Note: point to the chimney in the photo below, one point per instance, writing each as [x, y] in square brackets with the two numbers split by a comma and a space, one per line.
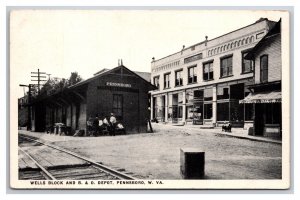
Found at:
[153, 59]
[182, 49]
[121, 62]
[206, 37]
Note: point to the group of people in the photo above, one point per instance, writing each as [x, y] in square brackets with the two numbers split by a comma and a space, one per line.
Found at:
[102, 126]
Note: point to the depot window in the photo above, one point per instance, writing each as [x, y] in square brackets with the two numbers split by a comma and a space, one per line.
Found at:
[118, 105]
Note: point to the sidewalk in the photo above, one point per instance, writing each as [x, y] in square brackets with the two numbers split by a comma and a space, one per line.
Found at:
[235, 132]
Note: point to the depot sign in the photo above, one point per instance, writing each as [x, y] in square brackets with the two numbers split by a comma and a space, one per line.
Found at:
[118, 84]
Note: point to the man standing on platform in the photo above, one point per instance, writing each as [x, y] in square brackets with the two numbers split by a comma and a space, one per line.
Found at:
[113, 122]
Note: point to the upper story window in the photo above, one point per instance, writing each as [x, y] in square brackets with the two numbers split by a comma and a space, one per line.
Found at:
[247, 65]
[156, 81]
[208, 71]
[167, 80]
[264, 68]
[226, 66]
[178, 78]
[192, 75]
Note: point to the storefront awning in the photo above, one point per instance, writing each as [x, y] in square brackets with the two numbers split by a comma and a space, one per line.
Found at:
[263, 97]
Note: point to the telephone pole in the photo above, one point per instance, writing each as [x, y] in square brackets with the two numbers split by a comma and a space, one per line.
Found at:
[39, 77]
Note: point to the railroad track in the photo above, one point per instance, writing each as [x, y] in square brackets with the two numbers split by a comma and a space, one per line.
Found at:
[91, 170]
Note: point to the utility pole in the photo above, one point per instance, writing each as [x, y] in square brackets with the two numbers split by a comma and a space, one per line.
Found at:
[29, 101]
[48, 76]
[39, 78]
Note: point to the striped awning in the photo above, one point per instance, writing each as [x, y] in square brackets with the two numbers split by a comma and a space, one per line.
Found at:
[263, 97]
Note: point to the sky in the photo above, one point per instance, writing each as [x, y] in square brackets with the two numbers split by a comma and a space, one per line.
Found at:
[59, 42]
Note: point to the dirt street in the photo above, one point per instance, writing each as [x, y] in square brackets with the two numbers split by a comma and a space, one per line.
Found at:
[157, 155]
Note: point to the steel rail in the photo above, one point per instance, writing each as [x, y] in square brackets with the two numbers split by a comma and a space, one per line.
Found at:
[38, 165]
[100, 166]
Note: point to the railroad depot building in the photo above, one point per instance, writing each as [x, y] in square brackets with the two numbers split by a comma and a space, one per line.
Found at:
[203, 83]
[119, 91]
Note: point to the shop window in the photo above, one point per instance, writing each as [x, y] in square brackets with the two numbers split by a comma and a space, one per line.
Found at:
[264, 68]
[170, 113]
[118, 105]
[207, 111]
[178, 78]
[167, 80]
[189, 113]
[226, 66]
[198, 113]
[156, 81]
[180, 112]
[194, 113]
[223, 111]
[208, 71]
[236, 111]
[177, 112]
[273, 111]
[249, 107]
[247, 65]
[177, 106]
[192, 75]
[159, 108]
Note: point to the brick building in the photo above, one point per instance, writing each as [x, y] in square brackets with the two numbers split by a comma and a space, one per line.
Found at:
[118, 90]
[266, 92]
[203, 83]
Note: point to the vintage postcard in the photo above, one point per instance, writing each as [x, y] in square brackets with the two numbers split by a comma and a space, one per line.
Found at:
[149, 99]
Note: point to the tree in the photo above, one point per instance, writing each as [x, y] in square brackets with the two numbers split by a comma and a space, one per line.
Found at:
[74, 78]
[55, 84]
[63, 83]
[34, 90]
[48, 87]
